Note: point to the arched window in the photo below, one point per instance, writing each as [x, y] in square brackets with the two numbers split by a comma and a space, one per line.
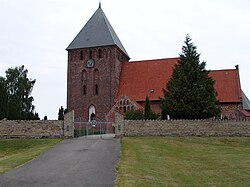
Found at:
[84, 75]
[84, 90]
[96, 90]
[109, 53]
[81, 55]
[90, 54]
[99, 53]
[96, 74]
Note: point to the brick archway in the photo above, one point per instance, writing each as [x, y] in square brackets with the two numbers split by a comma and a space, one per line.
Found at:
[92, 112]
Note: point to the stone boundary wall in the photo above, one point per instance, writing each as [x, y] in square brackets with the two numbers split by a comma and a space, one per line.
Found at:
[181, 128]
[68, 123]
[38, 128]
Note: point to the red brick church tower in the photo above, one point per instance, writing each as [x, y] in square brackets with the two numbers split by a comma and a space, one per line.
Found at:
[95, 59]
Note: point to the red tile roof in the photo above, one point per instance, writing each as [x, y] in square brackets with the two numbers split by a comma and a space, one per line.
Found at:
[141, 78]
[227, 85]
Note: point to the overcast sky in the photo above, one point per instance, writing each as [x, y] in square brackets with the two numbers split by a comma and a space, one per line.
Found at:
[35, 33]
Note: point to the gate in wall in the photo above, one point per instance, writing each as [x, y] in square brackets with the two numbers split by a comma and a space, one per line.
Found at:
[86, 128]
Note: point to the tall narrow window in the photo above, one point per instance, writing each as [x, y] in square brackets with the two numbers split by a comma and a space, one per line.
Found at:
[96, 90]
[90, 54]
[84, 75]
[81, 55]
[124, 109]
[96, 74]
[84, 90]
[109, 53]
[99, 53]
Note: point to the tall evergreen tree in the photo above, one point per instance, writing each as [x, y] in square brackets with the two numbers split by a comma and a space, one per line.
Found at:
[190, 93]
[61, 113]
[147, 109]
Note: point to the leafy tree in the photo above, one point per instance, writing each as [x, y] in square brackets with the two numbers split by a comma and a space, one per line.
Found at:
[3, 98]
[147, 109]
[134, 115]
[18, 90]
[45, 118]
[190, 93]
[61, 113]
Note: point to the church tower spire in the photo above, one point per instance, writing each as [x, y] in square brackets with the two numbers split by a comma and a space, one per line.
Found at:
[97, 32]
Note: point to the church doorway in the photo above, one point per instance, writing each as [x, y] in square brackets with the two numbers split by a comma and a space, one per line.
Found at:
[92, 125]
[92, 114]
[92, 117]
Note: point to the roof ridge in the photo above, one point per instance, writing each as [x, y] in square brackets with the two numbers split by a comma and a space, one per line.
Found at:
[108, 25]
[224, 70]
[113, 34]
[161, 59]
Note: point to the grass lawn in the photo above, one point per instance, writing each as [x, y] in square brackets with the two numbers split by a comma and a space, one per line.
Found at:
[188, 161]
[15, 152]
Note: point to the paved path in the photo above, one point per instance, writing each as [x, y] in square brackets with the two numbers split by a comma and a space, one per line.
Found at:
[75, 162]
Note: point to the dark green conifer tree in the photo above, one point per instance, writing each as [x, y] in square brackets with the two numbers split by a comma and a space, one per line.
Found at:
[147, 109]
[61, 114]
[190, 93]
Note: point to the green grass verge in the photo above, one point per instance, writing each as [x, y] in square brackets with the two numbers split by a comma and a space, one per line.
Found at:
[189, 161]
[15, 152]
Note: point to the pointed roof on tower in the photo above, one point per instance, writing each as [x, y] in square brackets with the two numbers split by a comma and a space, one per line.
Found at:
[97, 32]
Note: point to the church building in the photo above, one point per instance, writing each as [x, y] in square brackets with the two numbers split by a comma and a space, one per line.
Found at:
[101, 79]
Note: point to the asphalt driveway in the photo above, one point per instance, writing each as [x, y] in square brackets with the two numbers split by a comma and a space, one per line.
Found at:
[74, 162]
